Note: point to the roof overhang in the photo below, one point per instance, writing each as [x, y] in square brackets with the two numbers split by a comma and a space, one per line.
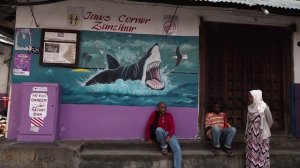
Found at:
[285, 4]
[281, 7]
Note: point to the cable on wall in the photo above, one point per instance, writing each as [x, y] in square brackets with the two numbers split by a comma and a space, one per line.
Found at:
[172, 19]
[32, 14]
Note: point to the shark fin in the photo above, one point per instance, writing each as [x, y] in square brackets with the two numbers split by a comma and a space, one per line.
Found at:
[112, 62]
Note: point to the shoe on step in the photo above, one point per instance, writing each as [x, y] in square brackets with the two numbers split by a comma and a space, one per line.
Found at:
[164, 151]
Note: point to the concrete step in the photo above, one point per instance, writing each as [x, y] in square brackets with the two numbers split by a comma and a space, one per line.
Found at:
[139, 154]
[191, 159]
[285, 153]
[191, 144]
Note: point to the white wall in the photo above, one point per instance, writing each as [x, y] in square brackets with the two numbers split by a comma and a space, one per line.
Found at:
[297, 57]
[5, 53]
[54, 16]
[46, 18]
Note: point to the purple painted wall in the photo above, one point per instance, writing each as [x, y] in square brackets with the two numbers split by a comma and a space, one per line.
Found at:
[14, 111]
[91, 122]
[297, 109]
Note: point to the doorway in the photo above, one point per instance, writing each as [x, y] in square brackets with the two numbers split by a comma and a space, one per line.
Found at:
[238, 58]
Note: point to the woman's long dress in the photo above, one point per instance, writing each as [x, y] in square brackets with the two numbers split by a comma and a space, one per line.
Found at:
[257, 149]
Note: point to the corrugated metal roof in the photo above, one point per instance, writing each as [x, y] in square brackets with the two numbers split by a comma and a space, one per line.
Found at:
[287, 4]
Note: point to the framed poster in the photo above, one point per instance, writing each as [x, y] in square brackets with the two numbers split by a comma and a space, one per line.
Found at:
[60, 48]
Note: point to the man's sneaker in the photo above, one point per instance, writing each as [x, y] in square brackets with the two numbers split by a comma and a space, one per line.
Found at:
[164, 151]
[228, 151]
[215, 150]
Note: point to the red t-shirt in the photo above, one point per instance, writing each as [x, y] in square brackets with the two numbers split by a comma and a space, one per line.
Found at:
[166, 122]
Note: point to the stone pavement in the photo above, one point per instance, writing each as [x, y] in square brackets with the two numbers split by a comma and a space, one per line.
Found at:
[285, 153]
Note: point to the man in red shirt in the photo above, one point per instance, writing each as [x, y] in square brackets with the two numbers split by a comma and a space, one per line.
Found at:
[163, 131]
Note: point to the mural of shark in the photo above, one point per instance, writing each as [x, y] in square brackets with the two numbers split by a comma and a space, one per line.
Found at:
[147, 70]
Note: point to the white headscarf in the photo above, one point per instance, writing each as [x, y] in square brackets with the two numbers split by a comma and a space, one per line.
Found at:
[258, 104]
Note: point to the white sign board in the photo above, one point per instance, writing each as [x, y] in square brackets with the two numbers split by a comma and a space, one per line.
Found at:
[38, 105]
[40, 89]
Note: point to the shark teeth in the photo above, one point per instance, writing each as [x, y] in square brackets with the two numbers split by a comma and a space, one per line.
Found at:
[155, 84]
[153, 65]
[153, 76]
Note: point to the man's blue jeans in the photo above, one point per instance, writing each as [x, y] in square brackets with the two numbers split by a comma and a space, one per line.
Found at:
[225, 136]
[161, 135]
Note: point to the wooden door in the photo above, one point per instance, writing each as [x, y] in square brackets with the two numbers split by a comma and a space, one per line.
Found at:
[240, 58]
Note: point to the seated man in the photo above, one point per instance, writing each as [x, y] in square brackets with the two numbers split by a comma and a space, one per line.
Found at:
[219, 130]
[162, 126]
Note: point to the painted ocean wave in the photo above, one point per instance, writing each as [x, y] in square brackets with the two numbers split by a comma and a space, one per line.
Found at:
[134, 93]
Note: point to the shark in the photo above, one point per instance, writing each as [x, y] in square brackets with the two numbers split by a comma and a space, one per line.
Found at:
[146, 70]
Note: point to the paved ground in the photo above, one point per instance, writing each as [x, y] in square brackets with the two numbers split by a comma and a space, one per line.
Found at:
[134, 154]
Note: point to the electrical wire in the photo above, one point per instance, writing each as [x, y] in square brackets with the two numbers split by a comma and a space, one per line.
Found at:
[172, 20]
[16, 3]
[32, 14]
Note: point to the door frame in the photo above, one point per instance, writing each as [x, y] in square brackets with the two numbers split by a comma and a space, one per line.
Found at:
[287, 78]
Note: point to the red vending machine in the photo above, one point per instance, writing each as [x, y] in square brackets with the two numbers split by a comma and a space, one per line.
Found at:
[39, 112]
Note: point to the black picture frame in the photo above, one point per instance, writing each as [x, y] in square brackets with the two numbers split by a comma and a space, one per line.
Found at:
[59, 48]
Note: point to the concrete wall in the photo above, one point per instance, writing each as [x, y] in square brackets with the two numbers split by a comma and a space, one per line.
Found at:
[297, 56]
[86, 121]
[188, 25]
[5, 54]
[104, 122]
[119, 122]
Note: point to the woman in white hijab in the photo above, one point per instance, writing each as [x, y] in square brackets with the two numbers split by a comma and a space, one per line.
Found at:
[257, 133]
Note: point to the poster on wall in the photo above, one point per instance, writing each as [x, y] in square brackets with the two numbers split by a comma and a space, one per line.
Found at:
[37, 110]
[22, 64]
[59, 48]
[23, 39]
[74, 17]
